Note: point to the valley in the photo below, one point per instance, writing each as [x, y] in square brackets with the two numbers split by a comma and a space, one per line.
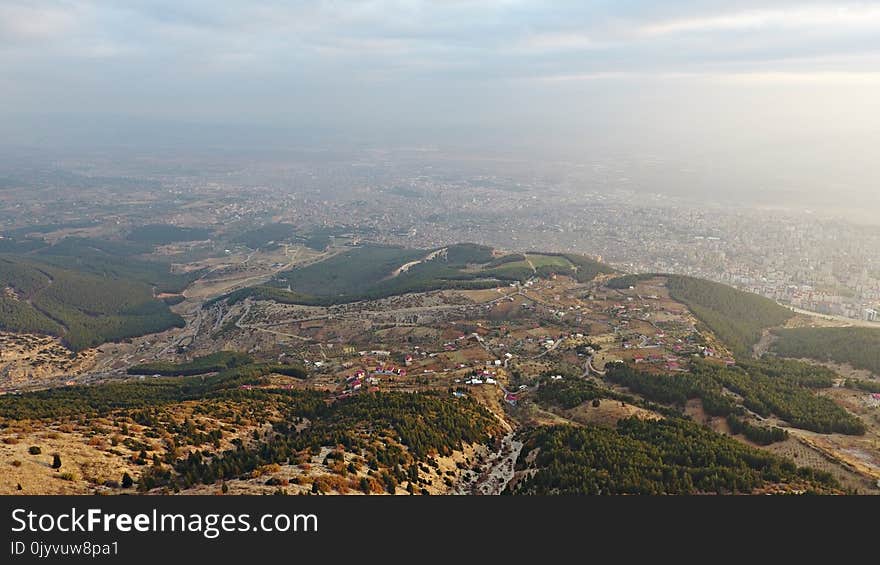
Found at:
[428, 372]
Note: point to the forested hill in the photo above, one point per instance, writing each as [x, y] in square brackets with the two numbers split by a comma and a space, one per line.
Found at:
[376, 441]
[82, 308]
[784, 388]
[738, 318]
[370, 272]
[859, 347]
[671, 456]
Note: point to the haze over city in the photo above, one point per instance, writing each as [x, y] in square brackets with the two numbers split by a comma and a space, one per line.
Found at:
[772, 103]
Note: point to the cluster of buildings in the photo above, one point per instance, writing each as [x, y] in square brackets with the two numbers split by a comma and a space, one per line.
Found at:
[371, 377]
[480, 377]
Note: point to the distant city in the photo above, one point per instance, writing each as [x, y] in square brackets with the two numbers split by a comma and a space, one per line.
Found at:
[803, 259]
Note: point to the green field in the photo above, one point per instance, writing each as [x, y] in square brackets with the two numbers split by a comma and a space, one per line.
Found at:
[515, 270]
[273, 234]
[626, 281]
[375, 271]
[551, 261]
[587, 269]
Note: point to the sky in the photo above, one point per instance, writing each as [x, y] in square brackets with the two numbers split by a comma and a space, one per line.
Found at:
[780, 95]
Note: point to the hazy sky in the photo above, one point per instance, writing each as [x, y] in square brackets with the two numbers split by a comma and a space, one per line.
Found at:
[786, 90]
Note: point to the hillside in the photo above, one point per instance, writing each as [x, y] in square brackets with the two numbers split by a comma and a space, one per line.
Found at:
[859, 347]
[373, 271]
[120, 260]
[738, 318]
[669, 456]
[213, 429]
[237, 426]
[773, 387]
[296, 400]
[211, 363]
[80, 307]
[100, 400]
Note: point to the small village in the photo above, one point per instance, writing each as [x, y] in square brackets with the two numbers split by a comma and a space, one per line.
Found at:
[505, 339]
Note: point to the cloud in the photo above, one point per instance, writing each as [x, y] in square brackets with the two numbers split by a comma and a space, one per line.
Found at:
[501, 36]
[834, 78]
[555, 41]
[172, 56]
[834, 18]
[818, 78]
[27, 22]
